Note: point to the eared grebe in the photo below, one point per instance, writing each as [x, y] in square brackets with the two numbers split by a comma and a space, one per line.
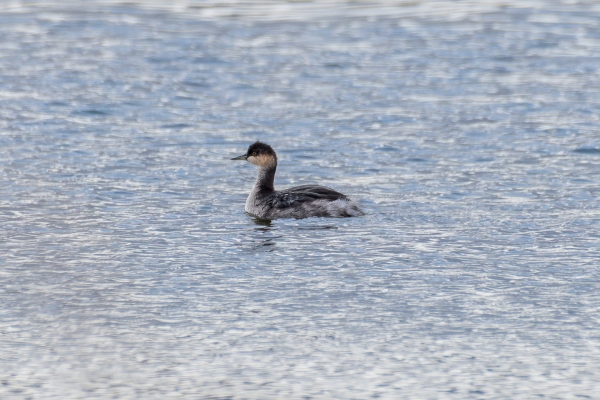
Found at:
[297, 202]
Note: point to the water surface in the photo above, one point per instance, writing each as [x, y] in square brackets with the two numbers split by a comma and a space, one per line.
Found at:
[468, 132]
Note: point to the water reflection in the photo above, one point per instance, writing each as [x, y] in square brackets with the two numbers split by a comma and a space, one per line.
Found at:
[317, 227]
[261, 237]
[262, 222]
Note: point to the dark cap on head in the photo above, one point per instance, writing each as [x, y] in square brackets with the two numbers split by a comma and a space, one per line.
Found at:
[259, 148]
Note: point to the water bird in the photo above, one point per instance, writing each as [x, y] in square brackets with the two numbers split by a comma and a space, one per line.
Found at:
[297, 202]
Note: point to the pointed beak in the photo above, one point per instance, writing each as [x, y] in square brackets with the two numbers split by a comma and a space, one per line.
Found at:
[244, 157]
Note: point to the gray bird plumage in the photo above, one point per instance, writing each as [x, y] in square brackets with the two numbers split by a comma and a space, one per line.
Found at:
[297, 202]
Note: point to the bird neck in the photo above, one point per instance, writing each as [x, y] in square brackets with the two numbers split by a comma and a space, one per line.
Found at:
[266, 177]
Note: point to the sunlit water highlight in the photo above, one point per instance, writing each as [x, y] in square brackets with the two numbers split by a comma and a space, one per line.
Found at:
[469, 132]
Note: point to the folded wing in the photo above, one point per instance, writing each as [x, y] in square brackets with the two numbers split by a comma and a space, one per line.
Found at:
[305, 194]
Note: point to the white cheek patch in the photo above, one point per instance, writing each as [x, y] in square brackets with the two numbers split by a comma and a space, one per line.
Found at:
[253, 160]
[262, 160]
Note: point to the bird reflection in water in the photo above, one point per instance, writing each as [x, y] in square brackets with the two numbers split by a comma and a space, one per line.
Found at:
[263, 234]
[266, 223]
[266, 242]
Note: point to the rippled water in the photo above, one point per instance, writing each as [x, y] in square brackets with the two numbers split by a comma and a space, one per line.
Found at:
[469, 132]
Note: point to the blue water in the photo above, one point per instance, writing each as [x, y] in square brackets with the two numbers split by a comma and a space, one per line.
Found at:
[469, 132]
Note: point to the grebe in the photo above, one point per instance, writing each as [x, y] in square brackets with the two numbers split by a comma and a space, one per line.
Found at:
[297, 202]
